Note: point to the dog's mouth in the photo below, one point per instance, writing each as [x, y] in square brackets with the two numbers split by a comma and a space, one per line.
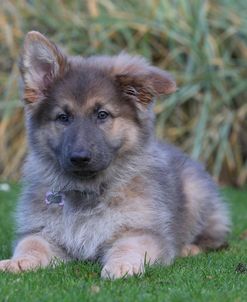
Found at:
[85, 174]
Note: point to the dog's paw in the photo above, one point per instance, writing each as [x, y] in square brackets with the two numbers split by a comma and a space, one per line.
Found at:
[190, 250]
[20, 264]
[115, 270]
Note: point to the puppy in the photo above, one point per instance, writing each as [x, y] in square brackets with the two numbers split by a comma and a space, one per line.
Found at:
[97, 183]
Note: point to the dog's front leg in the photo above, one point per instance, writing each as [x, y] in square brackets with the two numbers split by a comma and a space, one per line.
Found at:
[129, 254]
[30, 253]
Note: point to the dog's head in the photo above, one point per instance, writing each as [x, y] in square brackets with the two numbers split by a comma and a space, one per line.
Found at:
[85, 113]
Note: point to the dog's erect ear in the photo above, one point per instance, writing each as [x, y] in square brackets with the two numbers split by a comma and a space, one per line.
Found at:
[41, 63]
[140, 81]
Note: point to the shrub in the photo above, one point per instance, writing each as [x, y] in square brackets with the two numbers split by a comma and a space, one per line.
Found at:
[202, 43]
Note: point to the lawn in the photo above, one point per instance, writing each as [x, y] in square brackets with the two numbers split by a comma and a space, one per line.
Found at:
[214, 276]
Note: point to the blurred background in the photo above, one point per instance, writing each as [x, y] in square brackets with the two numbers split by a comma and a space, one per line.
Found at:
[202, 43]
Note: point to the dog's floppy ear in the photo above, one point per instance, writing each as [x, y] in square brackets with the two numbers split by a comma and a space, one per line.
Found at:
[140, 81]
[42, 62]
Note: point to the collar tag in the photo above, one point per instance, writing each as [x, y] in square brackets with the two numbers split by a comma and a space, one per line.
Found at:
[54, 198]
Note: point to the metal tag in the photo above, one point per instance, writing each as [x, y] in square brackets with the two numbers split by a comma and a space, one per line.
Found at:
[54, 198]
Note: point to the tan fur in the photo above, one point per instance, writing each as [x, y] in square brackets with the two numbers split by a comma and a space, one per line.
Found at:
[135, 188]
[129, 254]
[116, 201]
[124, 66]
[94, 100]
[142, 94]
[124, 130]
[31, 95]
[217, 221]
[31, 253]
[192, 189]
[190, 250]
[133, 197]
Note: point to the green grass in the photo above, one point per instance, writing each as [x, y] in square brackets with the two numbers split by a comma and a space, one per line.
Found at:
[207, 277]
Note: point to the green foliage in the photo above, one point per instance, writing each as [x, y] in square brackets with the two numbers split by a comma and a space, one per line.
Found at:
[212, 277]
[202, 43]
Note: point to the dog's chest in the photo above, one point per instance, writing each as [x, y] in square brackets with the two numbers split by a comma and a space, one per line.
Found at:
[82, 232]
[79, 231]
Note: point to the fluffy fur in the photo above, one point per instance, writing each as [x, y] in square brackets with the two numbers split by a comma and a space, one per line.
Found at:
[128, 198]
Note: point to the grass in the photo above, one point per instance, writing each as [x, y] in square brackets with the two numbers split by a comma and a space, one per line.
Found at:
[202, 43]
[207, 277]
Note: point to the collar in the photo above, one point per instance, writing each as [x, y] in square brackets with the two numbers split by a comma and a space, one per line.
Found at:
[58, 197]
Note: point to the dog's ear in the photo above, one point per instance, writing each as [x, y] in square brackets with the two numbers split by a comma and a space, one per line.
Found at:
[140, 81]
[42, 62]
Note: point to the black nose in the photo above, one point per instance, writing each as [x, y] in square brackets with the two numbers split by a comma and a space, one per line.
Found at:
[80, 158]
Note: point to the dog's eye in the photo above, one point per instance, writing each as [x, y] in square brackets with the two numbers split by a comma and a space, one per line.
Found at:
[102, 115]
[63, 118]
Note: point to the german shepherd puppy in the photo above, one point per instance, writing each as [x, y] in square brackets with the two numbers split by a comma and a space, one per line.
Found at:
[98, 185]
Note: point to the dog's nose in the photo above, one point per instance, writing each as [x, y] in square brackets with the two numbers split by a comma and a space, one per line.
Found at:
[79, 158]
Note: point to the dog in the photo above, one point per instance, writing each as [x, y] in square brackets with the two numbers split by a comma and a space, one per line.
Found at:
[97, 183]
